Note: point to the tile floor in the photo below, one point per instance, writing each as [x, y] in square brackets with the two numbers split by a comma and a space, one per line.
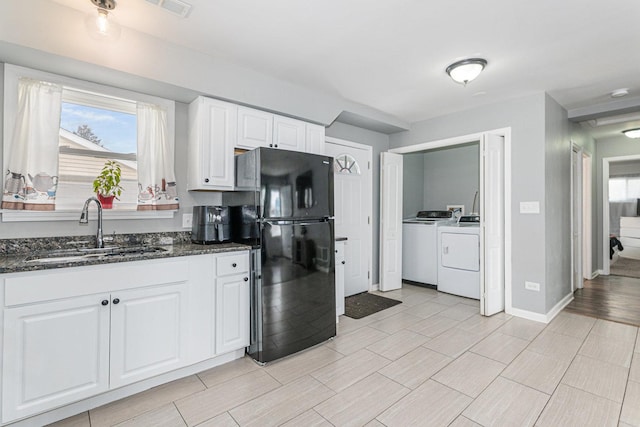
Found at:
[431, 361]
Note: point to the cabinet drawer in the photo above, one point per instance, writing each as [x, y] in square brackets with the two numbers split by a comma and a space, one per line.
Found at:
[45, 285]
[232, 264]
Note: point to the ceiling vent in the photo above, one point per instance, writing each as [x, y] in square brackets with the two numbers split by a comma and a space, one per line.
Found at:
[177, 7]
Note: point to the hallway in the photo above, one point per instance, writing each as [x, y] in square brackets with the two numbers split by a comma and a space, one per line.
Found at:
[615, 298]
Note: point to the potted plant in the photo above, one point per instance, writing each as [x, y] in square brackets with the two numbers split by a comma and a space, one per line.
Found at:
[107, 184]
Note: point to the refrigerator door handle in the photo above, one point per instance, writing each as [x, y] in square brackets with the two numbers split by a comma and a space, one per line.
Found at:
[272, 222]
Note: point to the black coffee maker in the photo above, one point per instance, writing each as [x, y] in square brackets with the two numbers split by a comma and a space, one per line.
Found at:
[210, 224]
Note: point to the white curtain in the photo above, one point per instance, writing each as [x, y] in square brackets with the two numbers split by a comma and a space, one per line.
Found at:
[156, 176]
[31, 152]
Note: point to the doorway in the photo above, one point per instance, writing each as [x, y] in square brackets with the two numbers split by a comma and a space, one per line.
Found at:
[620, 178]
[353, 209]
[495, 219]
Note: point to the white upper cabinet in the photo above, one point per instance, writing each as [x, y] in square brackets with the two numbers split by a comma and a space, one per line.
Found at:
[314, 138]
[212, 136]
[288, 134]
[217, 128]
[255, 128]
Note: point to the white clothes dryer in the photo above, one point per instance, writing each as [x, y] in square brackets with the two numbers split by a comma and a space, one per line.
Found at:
[459, 260]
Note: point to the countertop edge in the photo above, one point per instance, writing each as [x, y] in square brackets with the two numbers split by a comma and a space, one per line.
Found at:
[18, 263]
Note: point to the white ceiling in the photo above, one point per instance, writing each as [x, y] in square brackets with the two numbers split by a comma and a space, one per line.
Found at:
[391, 54]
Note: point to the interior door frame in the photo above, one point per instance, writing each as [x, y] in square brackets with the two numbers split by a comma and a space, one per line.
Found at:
[369, 204]
[605, 207]
[577, 214]
[587, 217]
[465, 139]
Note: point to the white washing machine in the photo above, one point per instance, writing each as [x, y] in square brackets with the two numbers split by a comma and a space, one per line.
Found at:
[420, 246]
[459, 260]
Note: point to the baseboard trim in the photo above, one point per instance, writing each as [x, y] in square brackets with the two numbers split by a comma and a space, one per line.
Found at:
[529, 315]
[559, 306]
[542, 318]
[598, 273]
[375, 287]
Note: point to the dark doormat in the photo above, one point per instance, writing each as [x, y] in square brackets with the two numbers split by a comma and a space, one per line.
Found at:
[361, 305]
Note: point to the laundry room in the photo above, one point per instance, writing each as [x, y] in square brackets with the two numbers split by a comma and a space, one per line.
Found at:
[440, 186]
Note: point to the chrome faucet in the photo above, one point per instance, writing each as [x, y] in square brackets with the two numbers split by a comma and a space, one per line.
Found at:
[84, 219]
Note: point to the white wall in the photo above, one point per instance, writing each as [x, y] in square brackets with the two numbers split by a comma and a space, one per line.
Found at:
[46, 35]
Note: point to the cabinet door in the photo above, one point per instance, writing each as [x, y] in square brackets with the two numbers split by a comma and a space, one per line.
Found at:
[340, 263]
[288, 134]
[212, 135]
[55, 353]
[314, 141]
[148, 332]
[232, 313]
[255, 128]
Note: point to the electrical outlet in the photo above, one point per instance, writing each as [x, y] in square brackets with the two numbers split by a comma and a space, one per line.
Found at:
[529, 207]
[532, 286]
[186, 220]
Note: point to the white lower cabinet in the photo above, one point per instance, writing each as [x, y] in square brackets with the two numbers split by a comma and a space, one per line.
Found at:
[339, 275]
[148, 332]
[232, 313]
[73, 333]
[54, 353]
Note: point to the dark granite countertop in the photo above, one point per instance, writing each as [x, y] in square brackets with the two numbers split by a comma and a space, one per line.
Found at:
[20, 255]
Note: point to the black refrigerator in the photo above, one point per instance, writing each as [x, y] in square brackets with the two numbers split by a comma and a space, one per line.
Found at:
[293, 303]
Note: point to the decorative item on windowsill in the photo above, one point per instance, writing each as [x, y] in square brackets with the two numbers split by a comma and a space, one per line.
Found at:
[107, 184]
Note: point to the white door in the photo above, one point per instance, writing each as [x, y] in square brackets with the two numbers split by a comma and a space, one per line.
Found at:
[232, 313]
[492, 224]
[352, 210]
[55, 353]
[148, 332]
[576, 218]
[390, 221]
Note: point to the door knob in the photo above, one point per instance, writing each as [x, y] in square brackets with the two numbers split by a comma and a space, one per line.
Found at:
[104, 302]
[116, 300]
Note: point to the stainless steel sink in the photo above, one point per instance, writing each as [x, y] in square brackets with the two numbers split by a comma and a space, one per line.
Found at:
[84, 254]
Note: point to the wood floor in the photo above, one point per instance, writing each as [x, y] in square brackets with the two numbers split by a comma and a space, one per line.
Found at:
[614, 298]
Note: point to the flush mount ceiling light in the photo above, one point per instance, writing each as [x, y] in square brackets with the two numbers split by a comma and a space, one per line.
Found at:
[466, 70]
[619, 93]
[632, 133]
[101, 25]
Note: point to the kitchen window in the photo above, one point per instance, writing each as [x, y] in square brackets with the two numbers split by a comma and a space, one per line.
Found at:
[94, 129]
[96, 123]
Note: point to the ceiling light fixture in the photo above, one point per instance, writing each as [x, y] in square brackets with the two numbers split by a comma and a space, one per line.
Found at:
[632, 133]
[102, 26]
[466, 70]
[619, 93]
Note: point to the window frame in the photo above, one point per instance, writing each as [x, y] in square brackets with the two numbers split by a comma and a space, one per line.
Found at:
[12, 74]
